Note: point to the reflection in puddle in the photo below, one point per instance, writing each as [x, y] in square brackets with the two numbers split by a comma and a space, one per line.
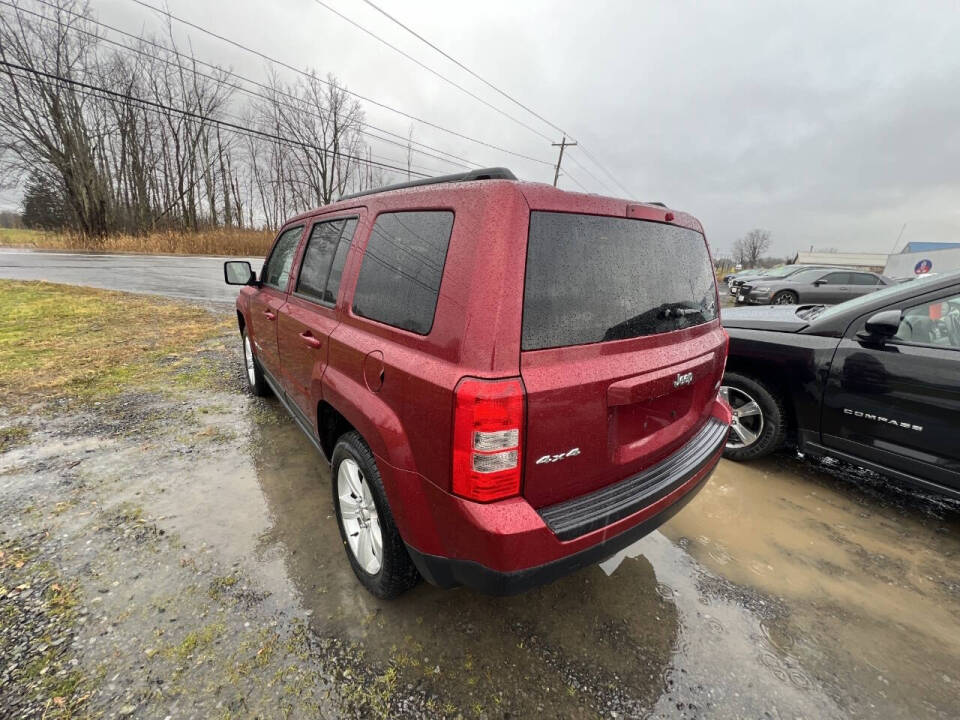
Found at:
[778, 592]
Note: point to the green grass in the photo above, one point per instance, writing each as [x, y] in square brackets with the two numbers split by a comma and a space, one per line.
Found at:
[22, 237]
[11, 437]
[58, 340]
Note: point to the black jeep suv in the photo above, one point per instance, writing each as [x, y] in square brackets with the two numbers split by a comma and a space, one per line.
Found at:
[874, 381]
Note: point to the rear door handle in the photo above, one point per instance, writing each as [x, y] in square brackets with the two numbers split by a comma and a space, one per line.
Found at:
[270, 315]
[309, 339]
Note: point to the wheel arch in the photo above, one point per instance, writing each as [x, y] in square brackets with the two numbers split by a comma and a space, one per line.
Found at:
[772, 378]
[346, 406]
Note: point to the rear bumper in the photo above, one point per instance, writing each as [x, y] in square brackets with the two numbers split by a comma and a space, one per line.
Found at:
[507, 547]
[448, 572]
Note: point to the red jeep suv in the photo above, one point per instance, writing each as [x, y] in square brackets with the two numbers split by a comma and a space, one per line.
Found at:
[510, 381]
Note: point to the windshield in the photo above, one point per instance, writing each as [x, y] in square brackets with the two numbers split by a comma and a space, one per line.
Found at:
[802, 276]
[592, 279]
[781, 271]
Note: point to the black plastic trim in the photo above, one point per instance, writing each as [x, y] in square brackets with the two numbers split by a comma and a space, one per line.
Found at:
[298, 417]
[818, 450]
[572, 518]
[449, 572]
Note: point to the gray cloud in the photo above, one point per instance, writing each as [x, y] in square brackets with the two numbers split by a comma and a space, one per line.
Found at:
[831, 124]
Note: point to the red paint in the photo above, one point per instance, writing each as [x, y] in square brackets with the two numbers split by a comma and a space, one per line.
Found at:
[614, 401]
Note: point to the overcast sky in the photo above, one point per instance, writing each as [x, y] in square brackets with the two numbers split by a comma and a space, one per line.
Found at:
[830, 124]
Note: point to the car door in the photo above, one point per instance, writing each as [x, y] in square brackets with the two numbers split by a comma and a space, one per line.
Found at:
[896, 403]
[310, 314]
[265, 304]
[830, 289]
[862, 283]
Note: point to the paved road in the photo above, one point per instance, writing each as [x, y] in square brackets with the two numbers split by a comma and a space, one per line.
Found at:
[189, 277]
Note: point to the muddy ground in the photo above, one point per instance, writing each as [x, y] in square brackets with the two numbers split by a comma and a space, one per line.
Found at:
[175, 555]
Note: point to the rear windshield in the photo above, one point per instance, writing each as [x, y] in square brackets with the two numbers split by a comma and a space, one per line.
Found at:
[592, 278]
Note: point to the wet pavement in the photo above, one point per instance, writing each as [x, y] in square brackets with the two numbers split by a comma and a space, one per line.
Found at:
[780, 591]
[185, 277]
[784, 590]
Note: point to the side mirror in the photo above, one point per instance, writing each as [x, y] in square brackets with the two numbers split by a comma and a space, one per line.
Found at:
[818, 283]
[239, 272]
[882, 326]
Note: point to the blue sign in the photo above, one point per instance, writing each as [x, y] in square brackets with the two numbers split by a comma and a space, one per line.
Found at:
[924, 266]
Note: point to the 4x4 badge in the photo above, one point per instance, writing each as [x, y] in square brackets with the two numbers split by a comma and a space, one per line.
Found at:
[572, 452]
[683, 379]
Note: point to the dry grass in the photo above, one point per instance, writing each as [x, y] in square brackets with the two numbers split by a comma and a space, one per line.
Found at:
[231, 243]
[63, 341]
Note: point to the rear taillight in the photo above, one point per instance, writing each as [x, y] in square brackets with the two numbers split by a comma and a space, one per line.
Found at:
[487, 438]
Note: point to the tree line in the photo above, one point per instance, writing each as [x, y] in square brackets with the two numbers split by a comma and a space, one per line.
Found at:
[107, 138]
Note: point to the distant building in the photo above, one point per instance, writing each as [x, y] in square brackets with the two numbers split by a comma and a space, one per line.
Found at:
[915, 247]
[919, 258]
[861, 261]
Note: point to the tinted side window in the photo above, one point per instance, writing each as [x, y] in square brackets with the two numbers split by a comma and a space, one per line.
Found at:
[840, 278]
[339, 260]
[312, 280]
[863, 279]
[276, 271]
[402, 267]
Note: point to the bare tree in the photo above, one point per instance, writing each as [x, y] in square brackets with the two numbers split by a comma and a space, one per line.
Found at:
[138, 137]
[751, 247]
[45, 122]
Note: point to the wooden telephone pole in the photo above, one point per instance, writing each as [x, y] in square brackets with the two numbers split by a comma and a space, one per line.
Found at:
[563, 144]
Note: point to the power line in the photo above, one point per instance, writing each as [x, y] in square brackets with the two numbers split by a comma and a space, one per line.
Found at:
[493, 87]
[431, 70]
[413, 144]
[259, 54]
[607, 172]
[601, 183]
[158, 106]
[191, 70]
[463, 67]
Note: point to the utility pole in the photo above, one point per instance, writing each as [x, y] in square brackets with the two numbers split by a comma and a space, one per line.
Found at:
[562, 145]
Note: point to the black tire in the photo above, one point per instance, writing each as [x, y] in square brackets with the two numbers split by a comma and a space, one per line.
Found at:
[252, 371]
[785, 297]
[396, 573]
[773, 429]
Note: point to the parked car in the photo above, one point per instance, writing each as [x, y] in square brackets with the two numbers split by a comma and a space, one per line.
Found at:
[776, 273]
[742, 275]
[874, 381]
[822, 285]
[510, 381]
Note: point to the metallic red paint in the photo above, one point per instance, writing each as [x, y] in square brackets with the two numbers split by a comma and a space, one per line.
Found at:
[614, 400]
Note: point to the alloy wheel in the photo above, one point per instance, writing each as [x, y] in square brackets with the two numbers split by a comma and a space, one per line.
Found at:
[358, 513]
[785, 299]
[747, 423]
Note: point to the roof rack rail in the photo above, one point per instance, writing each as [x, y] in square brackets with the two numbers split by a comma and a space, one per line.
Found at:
[495, 173]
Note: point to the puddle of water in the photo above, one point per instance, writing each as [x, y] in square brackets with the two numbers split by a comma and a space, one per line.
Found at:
[776, 593]
[870, 581]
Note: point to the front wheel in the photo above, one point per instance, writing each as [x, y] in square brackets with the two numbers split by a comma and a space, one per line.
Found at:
[759, 423]
[786, 297]
[373, 544]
